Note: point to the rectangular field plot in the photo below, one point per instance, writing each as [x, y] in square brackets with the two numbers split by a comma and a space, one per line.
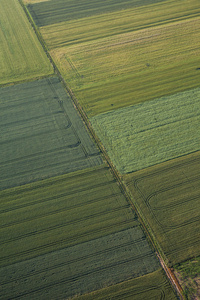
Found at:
[63, 211]
[154, 286]
[130, 68]
[21, 55]
[168, 198]
[82, 268]
[42, 135]
[146, 134]
[55, 11]
[72, 32]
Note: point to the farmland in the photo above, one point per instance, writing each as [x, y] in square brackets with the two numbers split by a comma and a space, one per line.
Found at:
[41, 134]
[87, 222]
[21, 55]
[56, 11]
[122, 58]
[167, 197]
[59, 212]
[152, 286]
[69, 235]
[142, 135]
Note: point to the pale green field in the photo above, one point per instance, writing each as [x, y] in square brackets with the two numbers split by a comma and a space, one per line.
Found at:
[21, 55]
[134, 67]
[146, 134]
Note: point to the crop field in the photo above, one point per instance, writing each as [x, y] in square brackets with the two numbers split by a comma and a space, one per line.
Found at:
[54, 213]
[81, 268]
[21, 55]
[146, 134]
[153, 286]
[69, 235]
[42, 135]
[167, 197]
[95, 27]
[122, 58]
[56, 11]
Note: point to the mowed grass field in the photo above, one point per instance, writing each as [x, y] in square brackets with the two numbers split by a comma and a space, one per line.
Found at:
[154, 286]
[121, 58]
[42, 134]
[21, 54]
[69, 235]
[167, 197]
[146, 134]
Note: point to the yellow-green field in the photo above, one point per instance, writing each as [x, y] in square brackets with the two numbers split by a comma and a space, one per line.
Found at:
[129, 68]
[21, 54]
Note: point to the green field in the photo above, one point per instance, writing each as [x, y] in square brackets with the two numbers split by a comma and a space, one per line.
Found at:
[82, 268]
[69, 235]
[42, 134]
[54, 213]
[21, 55]
[146, 134]
[55, 11]
[167, 197]
[121, 58]
[153, 286]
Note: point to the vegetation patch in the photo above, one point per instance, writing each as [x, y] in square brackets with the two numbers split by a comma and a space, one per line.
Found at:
[167, 197]
[42, 135]
[81, 268]
[146, 134]
[152, 286]
[188, 274]
[21, 55]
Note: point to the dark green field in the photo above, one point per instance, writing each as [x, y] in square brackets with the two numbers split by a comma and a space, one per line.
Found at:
[41, 134]
[69, 235]
[167, 197]
[82, 268]
[154, 286]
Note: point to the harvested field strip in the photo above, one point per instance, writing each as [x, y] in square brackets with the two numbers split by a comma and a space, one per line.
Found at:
[42, 134]
[81, 268]
[87, 29]
[167, 197]
[133, 67]
[55, 11]
[21, 55]
[146, 134]
[45, 216]
[152, 286]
